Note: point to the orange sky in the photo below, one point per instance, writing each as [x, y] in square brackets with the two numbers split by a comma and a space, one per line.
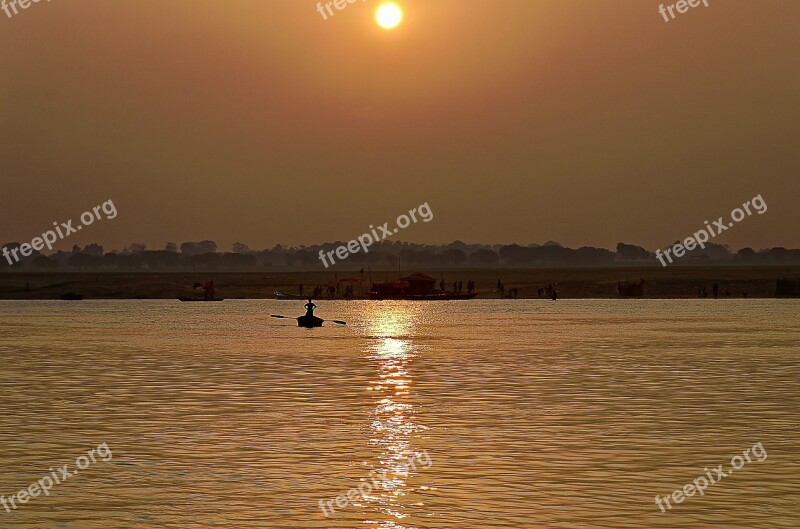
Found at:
[585, 122]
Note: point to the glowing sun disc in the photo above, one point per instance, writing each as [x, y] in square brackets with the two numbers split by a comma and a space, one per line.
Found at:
[389, 15]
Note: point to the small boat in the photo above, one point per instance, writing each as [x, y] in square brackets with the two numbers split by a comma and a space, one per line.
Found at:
[286, 296]
[415, 287]
[200, 299]
[309, 322]
[71, 296]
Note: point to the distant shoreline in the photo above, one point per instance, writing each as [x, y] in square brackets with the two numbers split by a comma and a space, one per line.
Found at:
[571, 283]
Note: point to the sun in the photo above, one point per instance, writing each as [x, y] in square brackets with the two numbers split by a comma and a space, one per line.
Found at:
[389, 15]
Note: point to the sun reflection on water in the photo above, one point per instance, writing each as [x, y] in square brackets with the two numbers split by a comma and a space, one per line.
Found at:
[394, 428]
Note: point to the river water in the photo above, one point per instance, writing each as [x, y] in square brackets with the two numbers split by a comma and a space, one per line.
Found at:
[529, 414]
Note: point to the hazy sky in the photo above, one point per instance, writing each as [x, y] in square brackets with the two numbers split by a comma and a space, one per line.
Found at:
[582, 121]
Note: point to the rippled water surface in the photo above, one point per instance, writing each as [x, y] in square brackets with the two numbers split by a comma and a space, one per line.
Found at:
[533, 414]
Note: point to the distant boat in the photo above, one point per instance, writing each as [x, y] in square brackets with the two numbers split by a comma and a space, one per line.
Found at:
[71, 296]
[200, 299]
[415, 287]
[286, 296]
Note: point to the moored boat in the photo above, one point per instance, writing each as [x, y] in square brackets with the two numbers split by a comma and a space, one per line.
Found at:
[286, 296]
[200, 299]
[415, 287]
[71, 296]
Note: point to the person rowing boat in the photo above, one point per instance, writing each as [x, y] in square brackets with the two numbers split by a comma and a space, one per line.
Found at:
[309, 320]
[309, 308]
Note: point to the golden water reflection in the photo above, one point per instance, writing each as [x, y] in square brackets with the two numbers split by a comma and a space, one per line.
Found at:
[394, 429]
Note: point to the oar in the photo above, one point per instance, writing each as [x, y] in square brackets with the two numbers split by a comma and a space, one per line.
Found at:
[340, 322]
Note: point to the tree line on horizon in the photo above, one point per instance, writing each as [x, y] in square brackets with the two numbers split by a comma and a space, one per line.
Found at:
[204, 255]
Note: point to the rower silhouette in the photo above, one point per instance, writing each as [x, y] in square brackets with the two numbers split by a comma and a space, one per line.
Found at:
[310, 308]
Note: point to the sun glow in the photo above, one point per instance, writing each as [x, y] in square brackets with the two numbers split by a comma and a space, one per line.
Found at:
[389, 15]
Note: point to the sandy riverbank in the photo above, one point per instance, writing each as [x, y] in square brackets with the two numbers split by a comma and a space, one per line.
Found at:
[571, 283]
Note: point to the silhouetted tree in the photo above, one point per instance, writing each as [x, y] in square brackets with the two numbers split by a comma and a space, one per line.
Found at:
[82, 260]
[631, 252]
[93, 249]
[198, 248]
[42, 261]
[240, 248]
[713, 251]
[453, 257]
[237, 260]
[306, 258]
[159, 259]
[516, 255]
[129, 261]
[110, 260]
[590, 256]
[484, 258]
[208, 261]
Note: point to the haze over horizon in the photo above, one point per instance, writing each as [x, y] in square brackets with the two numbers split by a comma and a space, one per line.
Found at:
[259, 122]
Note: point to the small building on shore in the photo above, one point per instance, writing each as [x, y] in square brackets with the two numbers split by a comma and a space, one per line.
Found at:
[419, 283]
